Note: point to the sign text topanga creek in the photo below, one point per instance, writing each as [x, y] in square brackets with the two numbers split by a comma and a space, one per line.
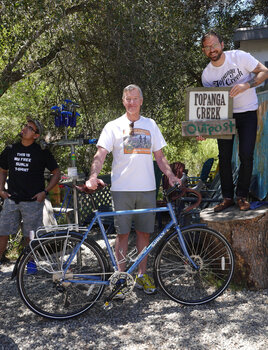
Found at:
[209, 113]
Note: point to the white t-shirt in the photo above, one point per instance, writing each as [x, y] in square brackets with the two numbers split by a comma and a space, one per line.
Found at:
[236, 69]
[132, 167]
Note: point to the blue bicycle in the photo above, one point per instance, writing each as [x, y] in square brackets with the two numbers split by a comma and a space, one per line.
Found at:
[193, 265]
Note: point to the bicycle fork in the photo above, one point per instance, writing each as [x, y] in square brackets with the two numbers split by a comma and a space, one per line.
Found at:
[180, 238]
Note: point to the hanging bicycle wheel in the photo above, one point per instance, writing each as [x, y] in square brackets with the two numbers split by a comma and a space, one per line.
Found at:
[47, 291]
[177, 277]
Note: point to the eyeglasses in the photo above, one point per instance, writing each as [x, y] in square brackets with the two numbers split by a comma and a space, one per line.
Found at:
[29, 127]
[131, 129]
[208, 48]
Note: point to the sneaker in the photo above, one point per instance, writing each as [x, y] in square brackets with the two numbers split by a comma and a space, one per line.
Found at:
[243, 204]
[226, 203]
[146, 283]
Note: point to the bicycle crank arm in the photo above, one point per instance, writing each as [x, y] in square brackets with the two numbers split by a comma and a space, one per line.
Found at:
[113, 293]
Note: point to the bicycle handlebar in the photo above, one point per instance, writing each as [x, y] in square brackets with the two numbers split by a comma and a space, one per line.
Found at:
[181, 190]
[84, 189]
[177, 186]
[198, 201]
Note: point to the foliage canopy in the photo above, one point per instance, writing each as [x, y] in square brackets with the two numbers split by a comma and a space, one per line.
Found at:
[89, 51]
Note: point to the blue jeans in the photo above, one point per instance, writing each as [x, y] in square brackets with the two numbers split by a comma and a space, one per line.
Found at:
[246, 124]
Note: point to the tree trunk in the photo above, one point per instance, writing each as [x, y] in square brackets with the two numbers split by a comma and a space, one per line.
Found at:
[247, 232]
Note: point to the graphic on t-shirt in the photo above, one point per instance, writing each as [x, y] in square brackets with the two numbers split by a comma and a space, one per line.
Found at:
[229, 78]
[138, 143]
[22, 161]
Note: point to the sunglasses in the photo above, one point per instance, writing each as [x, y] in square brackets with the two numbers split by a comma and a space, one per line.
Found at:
[131, 129]
[29, 127]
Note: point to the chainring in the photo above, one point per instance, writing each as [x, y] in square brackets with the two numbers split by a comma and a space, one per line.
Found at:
[118, 278]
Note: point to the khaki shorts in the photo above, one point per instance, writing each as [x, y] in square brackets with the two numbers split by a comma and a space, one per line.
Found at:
[134, 200]
[30, 214]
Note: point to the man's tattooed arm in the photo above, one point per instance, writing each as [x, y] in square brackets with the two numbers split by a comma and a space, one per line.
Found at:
[261, 74]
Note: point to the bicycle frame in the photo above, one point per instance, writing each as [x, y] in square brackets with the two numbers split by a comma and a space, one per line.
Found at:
[192, 265]
[97, 218]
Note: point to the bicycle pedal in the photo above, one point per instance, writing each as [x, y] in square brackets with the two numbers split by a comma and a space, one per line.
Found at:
[107, 306]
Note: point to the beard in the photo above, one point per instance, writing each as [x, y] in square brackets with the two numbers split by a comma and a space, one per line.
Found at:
[217, 57]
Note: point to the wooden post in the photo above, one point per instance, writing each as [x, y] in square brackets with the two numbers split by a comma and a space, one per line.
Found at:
[247, 232]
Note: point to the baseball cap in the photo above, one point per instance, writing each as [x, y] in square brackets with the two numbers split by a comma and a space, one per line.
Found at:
[39, 126]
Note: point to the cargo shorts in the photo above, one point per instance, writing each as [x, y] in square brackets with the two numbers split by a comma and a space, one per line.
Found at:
[134, 200]
[27, 214]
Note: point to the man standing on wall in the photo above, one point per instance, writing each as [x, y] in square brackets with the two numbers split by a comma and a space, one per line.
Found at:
[242, 72]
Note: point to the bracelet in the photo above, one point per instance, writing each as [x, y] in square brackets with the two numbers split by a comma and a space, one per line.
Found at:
[46, 192]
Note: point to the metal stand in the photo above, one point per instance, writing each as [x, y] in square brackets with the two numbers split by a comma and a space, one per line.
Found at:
[72, 144]
[65, 116]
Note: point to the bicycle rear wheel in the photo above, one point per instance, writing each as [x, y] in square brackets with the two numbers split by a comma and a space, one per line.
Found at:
[40, 285]
[180, 281]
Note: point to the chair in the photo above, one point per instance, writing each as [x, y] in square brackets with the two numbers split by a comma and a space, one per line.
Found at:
[211, 192]
[204, 175]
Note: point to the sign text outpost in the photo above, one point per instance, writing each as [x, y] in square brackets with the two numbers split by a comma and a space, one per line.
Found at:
[209, 128]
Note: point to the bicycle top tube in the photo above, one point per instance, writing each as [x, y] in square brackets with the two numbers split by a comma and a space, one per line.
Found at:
[133, 211]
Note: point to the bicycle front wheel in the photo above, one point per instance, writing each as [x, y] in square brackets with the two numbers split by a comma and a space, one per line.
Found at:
[186, 285]
[40, 275]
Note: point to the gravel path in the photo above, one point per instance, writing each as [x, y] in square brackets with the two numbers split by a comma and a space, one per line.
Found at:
[236, 320]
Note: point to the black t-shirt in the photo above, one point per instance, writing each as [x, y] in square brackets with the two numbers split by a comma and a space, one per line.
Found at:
[26, 165]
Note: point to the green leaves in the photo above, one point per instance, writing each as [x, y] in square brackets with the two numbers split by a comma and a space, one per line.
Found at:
[89, 51]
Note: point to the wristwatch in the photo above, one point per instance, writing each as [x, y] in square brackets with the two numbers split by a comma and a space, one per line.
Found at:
[46, 192]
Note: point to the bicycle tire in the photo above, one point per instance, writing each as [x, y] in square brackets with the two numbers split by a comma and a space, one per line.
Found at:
[41, 290]
[175, 276]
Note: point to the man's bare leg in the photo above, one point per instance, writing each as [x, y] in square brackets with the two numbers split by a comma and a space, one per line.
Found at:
[121, 247]
[143, 239]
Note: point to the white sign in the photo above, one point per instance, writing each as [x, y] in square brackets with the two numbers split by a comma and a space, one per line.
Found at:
[205, 105]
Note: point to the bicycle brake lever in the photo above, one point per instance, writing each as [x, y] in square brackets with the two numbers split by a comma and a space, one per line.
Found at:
[173, 188]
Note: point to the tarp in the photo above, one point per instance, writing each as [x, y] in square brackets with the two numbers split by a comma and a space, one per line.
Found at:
[259, 187]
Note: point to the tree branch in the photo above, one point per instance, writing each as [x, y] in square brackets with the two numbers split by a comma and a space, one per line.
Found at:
[8, 77]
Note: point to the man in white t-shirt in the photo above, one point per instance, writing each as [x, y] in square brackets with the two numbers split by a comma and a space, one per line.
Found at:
[132, 139]
[242, 72]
